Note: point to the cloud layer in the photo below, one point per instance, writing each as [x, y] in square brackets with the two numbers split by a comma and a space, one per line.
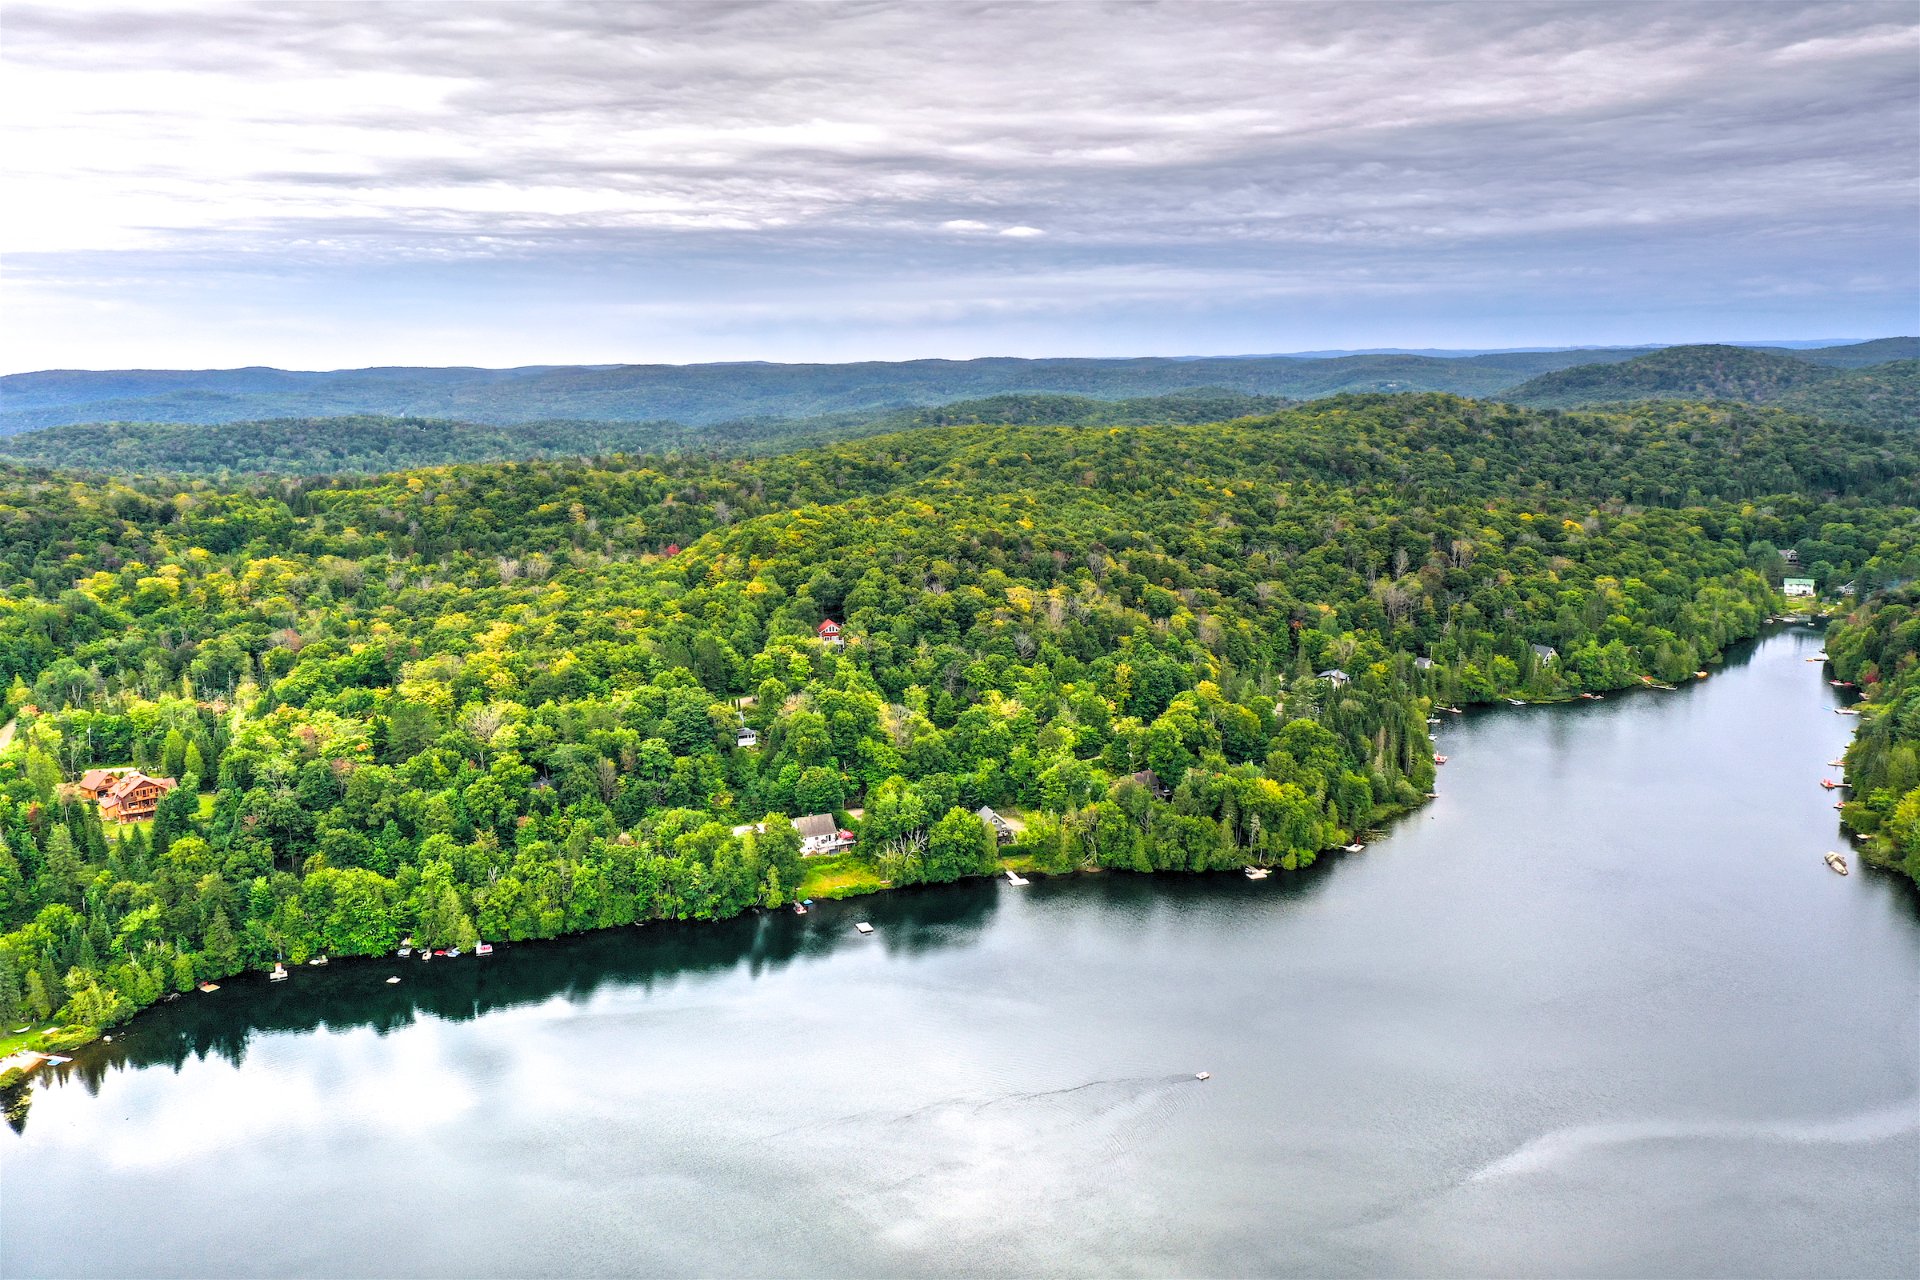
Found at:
[386, 183]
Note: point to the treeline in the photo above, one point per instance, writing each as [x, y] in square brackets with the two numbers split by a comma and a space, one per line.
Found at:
[367, 445]
[1877, 647]
[506, 700]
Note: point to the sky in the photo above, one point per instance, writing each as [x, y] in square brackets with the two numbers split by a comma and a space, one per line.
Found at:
[346, 184]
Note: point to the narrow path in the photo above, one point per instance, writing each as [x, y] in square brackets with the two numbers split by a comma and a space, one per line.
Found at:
[6, 733]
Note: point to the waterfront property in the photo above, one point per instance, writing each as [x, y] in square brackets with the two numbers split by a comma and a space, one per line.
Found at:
[1002, 832]
[820, 834]
[1796, 586]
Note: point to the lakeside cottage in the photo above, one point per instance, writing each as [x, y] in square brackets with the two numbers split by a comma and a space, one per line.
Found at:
[133, 797]
[1546, 653]
[1336, 677]
[820, 834]
[1797, 586]
[1002, 833]
[829, 633]
[1423, 664]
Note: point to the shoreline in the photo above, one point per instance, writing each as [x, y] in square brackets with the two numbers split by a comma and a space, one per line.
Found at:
[65, 1039]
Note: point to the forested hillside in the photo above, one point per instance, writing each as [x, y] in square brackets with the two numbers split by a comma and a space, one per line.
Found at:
[704, 394]
[1878, 648]
[504, 700]
[1884, 394]
[322, 446]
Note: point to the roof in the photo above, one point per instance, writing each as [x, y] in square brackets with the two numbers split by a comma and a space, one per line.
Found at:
[1148, 778]
[828, 625]
[1798, 582]
[816, 824]
[986, 814]
[98, 779]
[133, 782]
[1334, 673]
[1545, 650]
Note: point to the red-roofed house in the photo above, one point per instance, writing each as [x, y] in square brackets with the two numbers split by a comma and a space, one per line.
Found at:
[829, 632]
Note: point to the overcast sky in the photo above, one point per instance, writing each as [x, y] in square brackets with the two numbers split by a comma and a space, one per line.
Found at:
[342, 184]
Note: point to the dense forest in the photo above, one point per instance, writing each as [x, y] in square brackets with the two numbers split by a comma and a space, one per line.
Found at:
[1877, 648]
[1885, 394]
[506, 700]
[369, 445]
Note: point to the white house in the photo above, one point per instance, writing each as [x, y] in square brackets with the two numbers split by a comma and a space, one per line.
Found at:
[1797, 586]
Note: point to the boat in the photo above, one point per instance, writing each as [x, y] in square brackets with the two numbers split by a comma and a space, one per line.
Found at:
[453, 953]
[1456, 711]
[393, 982]
[209, 986]
[1439, 759]
[863, 927]
[1830, 784]
[799, 908]
[1845, 711]
[1515, 702]
[406, 947]
[1839, 804]
[1258, 873]
[1837, 862]
[1836, 764]
[1203, 1075]
[425, 955]
[484, 949]
[1014, 878]
[317, 961]
[1355, 847]
[1433, 719]
[279, 973]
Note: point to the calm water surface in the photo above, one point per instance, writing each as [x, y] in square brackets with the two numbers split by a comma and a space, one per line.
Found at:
[1600, 1009]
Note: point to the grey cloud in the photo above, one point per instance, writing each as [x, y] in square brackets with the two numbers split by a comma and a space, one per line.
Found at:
[1242, 151]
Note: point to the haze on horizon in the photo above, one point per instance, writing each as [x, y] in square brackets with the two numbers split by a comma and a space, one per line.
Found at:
[344, 185]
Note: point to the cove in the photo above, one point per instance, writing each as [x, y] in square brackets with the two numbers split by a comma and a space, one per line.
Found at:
[1599, 1009]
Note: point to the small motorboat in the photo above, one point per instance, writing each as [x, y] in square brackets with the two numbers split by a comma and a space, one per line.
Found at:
[393, 982]
[1836, 764]
[1258, 873]
[453, 953]
[1439, 759]
[799, 908]
[1837, 862]
[484, 949]
[1433, 719]
[1203, 1075]
[1515, 702]
[1456, 711]
[1699, 675]
[406, 947]
[863, 928]
[317, 961]
[1831, 785]
[1845, 711]
[1841, 684]
[279, 973]
[1355, 847]
[206, 987]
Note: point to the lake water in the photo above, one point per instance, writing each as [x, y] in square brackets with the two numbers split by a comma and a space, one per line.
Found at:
[1600, 1009]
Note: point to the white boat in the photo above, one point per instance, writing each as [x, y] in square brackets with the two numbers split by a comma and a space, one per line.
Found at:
[1258, 873]
[1203, 1075]
[317, 961]
[1355, 847]
[393, 982]
[484, 949]
[1837, 862]
[1515, 702]
[453, 953]
[863, 927]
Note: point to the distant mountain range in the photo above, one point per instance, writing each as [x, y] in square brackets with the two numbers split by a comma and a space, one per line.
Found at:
[373, 420]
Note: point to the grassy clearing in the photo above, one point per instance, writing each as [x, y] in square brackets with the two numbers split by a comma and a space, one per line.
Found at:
[844, 876]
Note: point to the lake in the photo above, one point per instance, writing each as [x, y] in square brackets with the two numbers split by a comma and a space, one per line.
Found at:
[1600, 1009]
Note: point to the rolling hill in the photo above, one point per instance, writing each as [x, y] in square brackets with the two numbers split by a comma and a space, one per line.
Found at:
[1884, 394]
